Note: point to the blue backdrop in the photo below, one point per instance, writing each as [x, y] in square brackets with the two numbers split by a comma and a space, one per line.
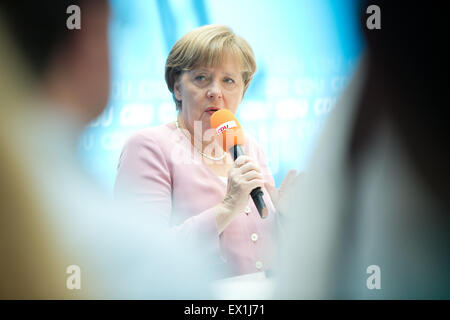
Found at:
[306, 51]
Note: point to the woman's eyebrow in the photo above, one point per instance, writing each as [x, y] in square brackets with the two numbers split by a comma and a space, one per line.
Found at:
[201, 69]
[230, 74]
[204, 69]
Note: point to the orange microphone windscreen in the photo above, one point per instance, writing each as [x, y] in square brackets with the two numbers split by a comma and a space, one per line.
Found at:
[228, 129]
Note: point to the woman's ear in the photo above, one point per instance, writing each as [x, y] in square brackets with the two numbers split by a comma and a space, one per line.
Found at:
[176, 89]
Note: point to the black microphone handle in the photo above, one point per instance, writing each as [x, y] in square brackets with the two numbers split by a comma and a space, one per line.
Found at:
[257, 193]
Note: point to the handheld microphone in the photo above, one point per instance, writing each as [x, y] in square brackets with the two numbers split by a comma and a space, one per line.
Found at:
[231, 137]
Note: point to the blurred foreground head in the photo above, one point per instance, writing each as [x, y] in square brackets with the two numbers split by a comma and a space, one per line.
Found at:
[51, 80]
[407, 85]
[52, 215]
[68, 68]
[377, 193]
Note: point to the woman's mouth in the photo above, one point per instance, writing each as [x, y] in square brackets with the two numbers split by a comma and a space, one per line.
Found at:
[211, 110]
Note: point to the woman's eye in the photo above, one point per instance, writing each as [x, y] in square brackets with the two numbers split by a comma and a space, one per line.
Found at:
[200, 78]
[229, 80]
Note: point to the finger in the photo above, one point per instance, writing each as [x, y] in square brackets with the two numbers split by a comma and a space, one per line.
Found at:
[241, 160]
[254, 184]
[251, 175]
[299, 179]
[250, 166]
[290, 177]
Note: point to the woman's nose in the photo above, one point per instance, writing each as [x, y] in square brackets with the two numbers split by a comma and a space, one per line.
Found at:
[214, 91]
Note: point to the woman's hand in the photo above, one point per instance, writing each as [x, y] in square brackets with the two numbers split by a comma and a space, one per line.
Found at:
[243, 177]
[282, 196]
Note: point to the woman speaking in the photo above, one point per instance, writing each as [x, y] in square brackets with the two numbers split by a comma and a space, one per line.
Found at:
[178, 172]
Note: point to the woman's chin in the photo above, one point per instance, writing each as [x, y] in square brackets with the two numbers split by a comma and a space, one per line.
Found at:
[206, 119]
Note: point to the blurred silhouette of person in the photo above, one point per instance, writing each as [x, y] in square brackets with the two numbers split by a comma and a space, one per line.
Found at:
[372, 215]
[53, 81]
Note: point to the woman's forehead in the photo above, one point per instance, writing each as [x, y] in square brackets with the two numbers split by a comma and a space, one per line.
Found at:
[227, 63]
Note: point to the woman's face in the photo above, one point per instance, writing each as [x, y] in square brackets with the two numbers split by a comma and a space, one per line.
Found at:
[203, 89]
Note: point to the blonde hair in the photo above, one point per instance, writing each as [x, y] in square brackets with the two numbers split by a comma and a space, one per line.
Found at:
[206, 46]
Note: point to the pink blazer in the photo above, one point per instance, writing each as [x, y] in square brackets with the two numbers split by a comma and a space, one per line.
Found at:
[159, 171]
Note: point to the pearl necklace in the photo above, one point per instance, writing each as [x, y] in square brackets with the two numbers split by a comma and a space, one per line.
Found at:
[201, 152]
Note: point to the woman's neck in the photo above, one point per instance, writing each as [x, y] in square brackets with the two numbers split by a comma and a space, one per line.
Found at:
[209, 147]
